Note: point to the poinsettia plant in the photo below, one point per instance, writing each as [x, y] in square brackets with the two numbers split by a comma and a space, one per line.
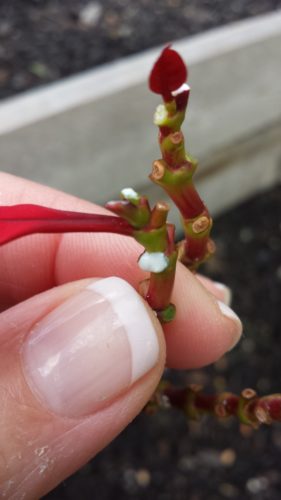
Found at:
[133, 216]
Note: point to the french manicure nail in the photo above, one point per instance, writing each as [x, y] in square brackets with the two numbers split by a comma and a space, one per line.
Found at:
[90, 349]
[235, 326]
[225, 290]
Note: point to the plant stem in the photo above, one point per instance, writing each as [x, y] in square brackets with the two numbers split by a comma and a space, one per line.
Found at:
[158, 238]
[249, 408]
[174, 173]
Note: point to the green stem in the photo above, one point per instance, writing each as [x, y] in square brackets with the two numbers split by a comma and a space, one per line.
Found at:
[174, 173]
[196, 220]
[158, 289]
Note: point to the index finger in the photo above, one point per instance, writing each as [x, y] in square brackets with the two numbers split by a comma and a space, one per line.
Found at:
[35, 263]
[203, 328]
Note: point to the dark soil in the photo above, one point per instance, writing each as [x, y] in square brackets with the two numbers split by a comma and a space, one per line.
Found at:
[44, 40]
[165, 458]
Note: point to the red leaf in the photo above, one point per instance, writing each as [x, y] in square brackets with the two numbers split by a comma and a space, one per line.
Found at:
[168, 73]
[20, 220]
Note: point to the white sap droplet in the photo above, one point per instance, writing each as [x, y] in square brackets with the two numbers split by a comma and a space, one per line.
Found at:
[130, 194]
[154, 262]
[160, 114]
[181, 89]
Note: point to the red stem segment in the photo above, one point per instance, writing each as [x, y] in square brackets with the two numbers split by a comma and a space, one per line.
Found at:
[21, 220]
[249, 408]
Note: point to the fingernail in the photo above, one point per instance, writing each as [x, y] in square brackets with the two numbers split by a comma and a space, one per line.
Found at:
[91, 348]
[235, 326]
[226, 292]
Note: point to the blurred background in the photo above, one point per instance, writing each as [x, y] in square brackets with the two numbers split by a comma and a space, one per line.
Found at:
[234, 126]
[44, 40]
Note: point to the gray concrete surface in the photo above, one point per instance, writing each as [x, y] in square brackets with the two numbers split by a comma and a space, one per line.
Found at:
[92, 135]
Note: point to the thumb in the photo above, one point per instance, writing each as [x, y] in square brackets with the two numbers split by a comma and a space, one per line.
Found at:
[77, 363]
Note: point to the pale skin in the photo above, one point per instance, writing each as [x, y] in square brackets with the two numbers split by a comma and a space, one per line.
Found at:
[39, 449]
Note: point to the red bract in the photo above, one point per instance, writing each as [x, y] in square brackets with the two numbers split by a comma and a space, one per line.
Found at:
[168, 74]
[20, 220]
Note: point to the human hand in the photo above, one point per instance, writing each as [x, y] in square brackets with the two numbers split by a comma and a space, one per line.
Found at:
[80, 355]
